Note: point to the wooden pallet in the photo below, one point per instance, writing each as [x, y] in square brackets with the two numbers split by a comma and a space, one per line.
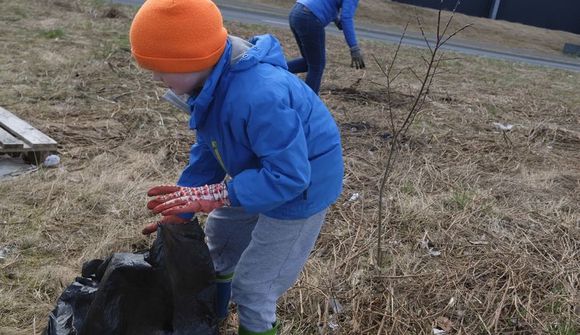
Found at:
[17, 136]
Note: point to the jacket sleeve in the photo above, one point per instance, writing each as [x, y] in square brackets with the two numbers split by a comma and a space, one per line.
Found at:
[347, 18]
[203, 167]
[276, 136]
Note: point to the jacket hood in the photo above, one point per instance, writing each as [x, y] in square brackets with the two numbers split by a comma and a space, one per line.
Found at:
[263, 49]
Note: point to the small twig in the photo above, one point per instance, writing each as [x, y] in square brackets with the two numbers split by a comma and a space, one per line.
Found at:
[499, 309]
[423, 34]
[391, 66]
[506, 138]
[424, 61]
[398, 74]
[439, 21]
[483, 323]
[415, 74]
[406, 276]
[111, 66]
[455, 33]
[451, 17]
[380, 331]
[420, 107]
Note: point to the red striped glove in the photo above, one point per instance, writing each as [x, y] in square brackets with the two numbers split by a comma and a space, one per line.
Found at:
[173, 200]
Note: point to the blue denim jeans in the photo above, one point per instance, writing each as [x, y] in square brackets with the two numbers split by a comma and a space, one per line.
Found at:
[261, 256]
[310, 36]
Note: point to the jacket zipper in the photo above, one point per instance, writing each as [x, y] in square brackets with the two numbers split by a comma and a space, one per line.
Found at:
[216, 152]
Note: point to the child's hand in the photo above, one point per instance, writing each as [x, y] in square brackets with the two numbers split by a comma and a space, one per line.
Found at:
[172, 200]
[357, 60]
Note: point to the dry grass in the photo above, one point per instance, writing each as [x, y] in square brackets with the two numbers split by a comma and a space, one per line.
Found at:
[494, 34]
[504, 216]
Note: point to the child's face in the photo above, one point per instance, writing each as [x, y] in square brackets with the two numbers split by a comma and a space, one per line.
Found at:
[182, 83]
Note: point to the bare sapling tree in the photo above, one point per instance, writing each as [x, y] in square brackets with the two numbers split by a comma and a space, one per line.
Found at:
[433, 61]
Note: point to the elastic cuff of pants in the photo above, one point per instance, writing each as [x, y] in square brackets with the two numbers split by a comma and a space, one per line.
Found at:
[273, 331]
[224, 278]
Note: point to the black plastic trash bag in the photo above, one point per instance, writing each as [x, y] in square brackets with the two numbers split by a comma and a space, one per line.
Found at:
[169, 290]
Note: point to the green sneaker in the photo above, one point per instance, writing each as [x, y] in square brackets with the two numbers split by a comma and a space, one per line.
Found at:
[273, 331]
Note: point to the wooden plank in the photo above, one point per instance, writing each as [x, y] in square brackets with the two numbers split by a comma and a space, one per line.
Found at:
[26, 148]
[25, 132]
[7, 141]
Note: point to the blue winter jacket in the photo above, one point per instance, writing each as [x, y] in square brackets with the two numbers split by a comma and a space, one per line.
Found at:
[264, 127]
[327, 11]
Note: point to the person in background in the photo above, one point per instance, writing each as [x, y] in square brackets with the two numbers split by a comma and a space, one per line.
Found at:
[308, 19]
[267, 162]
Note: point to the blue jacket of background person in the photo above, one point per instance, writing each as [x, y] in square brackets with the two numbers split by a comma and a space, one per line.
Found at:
[261, 125]
[327, 11]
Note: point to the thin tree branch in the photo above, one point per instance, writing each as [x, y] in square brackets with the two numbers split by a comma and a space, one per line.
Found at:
[398, 47]
[423, 34]
[432, 70]
[451, 17]
[455, 33]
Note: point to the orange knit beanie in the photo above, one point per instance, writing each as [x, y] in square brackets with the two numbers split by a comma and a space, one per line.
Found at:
[177, 36]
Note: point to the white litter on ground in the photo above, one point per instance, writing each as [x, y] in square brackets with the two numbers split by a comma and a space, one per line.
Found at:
[51, 161]
[503, 127]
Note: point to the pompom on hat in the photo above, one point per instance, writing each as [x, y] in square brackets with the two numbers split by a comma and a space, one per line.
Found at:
[177, 36]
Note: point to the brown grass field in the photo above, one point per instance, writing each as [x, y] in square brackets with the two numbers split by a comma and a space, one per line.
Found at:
[503, 211]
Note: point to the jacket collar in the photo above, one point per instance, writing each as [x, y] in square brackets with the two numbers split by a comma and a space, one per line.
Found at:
[199, 103]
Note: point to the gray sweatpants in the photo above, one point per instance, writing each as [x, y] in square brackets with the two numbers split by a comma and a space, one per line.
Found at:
[266, 255]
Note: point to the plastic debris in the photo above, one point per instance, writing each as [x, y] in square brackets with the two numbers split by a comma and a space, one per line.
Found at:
[432, 250]
[336, 306]
[354, 197]
[503, 127]
[51, 161]
[4, 253]
[442, 326]
[386, 136]
[332, 324]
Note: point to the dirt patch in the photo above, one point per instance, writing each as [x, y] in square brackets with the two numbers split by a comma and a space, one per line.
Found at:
[113, 13]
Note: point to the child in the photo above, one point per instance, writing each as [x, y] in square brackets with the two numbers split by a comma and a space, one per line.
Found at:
[307, 21]
[267, 162]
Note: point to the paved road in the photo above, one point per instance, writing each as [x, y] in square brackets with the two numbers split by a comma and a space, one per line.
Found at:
[275, 17]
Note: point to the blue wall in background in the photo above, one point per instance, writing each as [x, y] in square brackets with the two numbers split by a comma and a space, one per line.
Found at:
[551, 14]
[469, 7]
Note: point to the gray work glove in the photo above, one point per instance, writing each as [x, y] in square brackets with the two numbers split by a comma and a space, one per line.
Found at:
[357, 58]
